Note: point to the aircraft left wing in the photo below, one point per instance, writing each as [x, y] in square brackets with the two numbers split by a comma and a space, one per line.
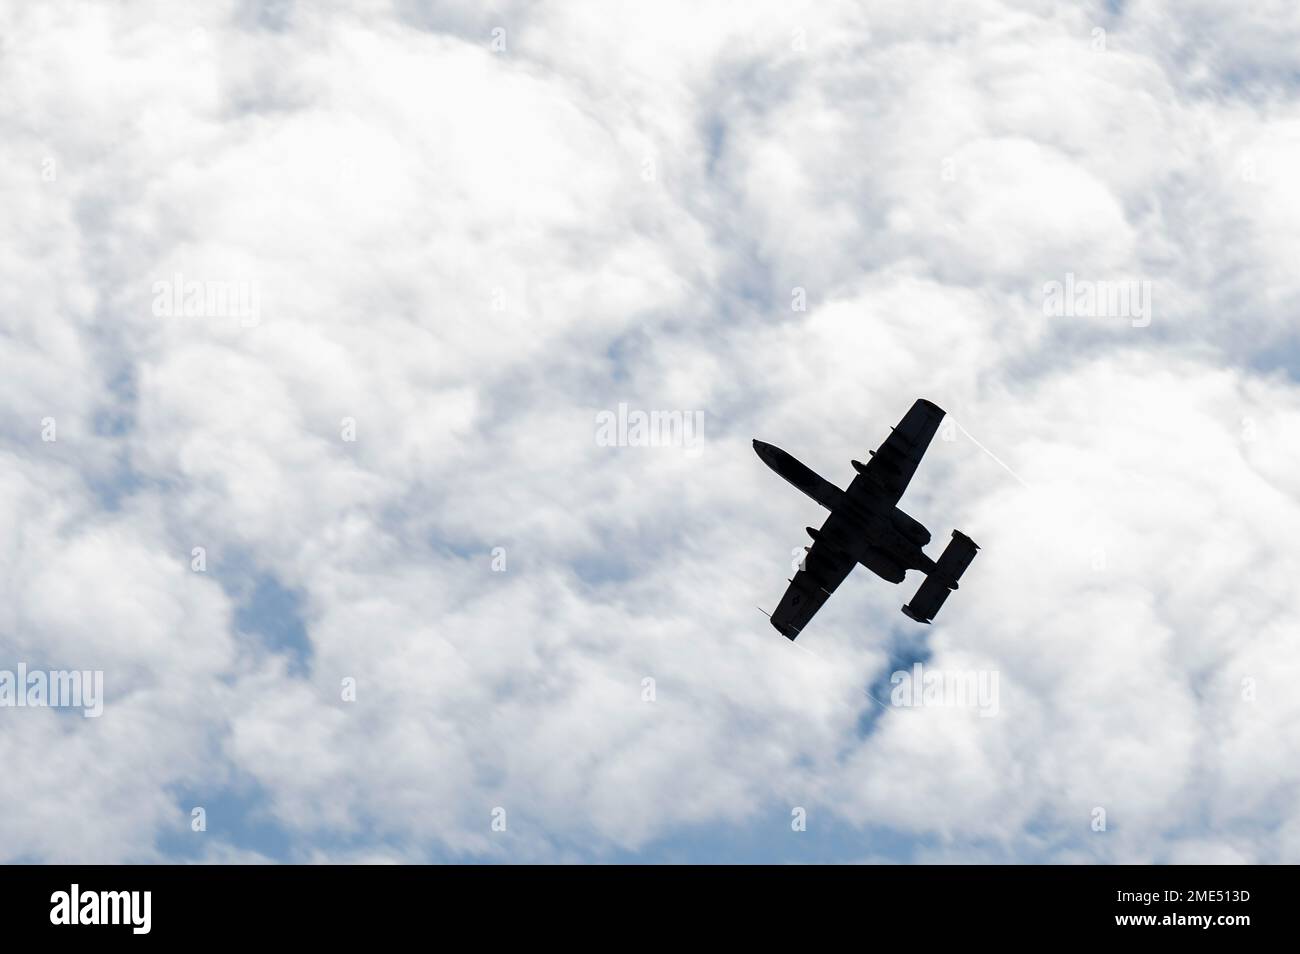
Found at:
[892, 464]
[824, 569]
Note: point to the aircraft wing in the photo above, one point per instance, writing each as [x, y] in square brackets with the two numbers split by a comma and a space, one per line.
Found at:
[892, 464]
[824, 569]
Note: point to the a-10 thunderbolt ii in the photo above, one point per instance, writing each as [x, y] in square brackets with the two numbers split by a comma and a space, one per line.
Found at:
[865, 526]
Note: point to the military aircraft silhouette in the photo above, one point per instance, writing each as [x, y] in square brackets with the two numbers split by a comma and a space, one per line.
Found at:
[866, 527]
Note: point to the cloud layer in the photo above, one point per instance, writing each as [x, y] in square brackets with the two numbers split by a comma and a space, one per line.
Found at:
[426, 591]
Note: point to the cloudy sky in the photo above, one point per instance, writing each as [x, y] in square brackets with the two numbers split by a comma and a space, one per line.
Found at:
[363, 581]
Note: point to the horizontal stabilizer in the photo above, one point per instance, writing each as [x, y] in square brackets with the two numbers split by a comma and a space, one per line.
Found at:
[948, 570]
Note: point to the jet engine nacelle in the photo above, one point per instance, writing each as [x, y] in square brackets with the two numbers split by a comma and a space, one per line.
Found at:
[882, 566]
[910, 527]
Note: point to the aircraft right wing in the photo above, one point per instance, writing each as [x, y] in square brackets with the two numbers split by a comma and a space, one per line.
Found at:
[824, 569]
[892, 464]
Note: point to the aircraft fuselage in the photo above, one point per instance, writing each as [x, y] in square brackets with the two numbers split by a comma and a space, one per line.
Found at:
[880, 537]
